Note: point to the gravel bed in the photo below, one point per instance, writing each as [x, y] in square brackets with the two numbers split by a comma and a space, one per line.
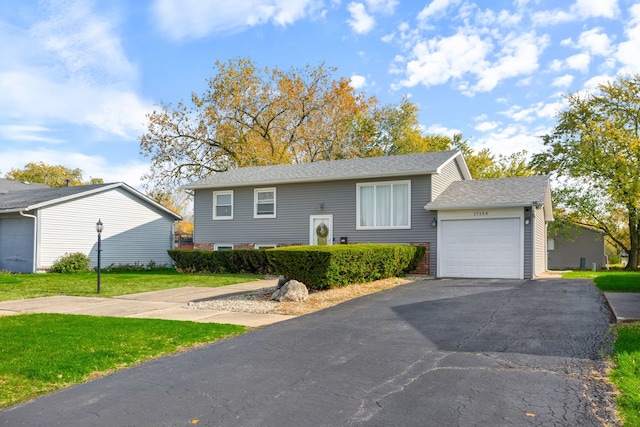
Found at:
[251, 302]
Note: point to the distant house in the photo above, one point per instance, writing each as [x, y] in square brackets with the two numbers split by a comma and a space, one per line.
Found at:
[566, 252]
[38, 224]
[488, 228]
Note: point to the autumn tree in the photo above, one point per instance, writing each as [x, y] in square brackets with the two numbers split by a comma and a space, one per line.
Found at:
[51, 175]
[251, 117]
[177, 201]
[594, 151]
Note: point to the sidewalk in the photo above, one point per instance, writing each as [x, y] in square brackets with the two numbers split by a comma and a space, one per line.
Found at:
[625, 305]
[168, 304]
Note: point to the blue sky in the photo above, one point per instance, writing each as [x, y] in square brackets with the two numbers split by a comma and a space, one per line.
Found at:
[78, 77]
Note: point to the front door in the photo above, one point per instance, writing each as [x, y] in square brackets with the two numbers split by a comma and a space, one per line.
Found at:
[321, 229]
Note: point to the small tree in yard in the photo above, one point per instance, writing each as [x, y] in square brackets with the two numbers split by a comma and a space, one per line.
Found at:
[594, 151]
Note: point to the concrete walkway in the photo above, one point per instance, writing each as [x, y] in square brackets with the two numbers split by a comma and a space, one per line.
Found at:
[625, 306]
[168, 304]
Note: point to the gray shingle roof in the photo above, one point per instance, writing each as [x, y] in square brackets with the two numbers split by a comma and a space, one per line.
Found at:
[8, 185]
[493, 193]
[15, 201]
[386, 166]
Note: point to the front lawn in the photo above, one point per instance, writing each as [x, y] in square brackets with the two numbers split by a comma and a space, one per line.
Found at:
[609, 281]
[20, 286]
[626, 374]
[41, 353]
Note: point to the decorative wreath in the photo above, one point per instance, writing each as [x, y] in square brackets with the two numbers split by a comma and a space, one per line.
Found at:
[322, 230]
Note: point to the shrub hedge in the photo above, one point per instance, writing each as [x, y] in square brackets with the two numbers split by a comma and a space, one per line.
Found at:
[322, 267]
[235, 261]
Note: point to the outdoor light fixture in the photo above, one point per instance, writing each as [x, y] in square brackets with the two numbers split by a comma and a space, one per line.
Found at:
[99, 228]
[434, 222]
[526, 220]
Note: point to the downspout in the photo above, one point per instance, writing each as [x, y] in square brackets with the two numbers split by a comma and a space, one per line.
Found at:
[35, 230]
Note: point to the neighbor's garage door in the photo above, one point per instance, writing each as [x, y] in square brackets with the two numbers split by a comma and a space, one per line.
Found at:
[483, 248]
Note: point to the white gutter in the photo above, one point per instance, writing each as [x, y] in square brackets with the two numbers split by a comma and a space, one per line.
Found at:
[35, 230]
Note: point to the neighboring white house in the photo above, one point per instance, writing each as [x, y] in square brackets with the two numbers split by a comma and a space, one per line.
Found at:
[39, 224]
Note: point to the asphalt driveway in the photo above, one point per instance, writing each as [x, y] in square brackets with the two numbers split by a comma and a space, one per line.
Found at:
[431, 353]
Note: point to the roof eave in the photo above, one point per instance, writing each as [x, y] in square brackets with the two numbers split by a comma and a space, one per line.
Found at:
[306, 180]
[479, 206]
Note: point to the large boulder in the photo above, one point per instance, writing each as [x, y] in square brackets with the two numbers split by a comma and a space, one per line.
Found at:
[291, 291]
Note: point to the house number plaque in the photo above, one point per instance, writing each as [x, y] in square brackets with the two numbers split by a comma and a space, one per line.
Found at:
[480, 213]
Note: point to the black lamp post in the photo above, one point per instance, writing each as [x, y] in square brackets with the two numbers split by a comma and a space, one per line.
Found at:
[99, 230]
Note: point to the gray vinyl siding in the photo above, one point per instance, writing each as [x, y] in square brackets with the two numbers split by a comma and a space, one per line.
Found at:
[540, 244]
[134, 232]
[585, 243]
[295, 203]
[528, 246]
[449, 173]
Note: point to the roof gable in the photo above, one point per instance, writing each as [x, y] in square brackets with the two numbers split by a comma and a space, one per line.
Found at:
[16, 201]
[334, 170]
[496, 193]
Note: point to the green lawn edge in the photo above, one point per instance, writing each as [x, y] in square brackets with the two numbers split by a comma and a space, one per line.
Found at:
[41, 353]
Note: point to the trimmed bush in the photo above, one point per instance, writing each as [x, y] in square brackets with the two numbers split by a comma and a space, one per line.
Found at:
[76, 262]
[251, 261]
[322, 267]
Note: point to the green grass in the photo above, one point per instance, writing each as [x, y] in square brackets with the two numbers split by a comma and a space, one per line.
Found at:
[20, 286]
[626, 374]
[610, 281]
[40, 353]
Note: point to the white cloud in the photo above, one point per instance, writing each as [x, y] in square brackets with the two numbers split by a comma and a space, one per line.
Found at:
[91, 166]
[469, 55]
[438, 60]
[511, 139]
[580, 10]
[435, 8]
[70, 68]
[27, 133]
[486, 126]
[595, 42]
[437, 129]
[519, 56]
[592, 84]
[357, 82]
[382, 6]
[563, 81]
[596, 8]
[181, 19]
[361, 22]
[628, 50]
[579, 62]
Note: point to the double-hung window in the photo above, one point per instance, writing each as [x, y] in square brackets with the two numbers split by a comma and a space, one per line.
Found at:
[264, 203]
[223, 204]
[383, 205]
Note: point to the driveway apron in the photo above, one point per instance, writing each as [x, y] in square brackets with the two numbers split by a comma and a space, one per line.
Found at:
[430, 353]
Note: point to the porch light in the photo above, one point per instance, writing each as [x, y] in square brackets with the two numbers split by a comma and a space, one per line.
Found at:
[434, 222]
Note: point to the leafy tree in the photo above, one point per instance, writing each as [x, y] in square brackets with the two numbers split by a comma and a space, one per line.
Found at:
[51, 175]
[252, 117]
[594, 150]
[177, 201]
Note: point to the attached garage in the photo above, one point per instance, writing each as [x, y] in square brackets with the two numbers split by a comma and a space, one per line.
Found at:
[492, 228]
[482, 248]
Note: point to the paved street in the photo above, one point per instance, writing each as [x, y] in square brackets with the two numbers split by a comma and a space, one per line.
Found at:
[431, 353]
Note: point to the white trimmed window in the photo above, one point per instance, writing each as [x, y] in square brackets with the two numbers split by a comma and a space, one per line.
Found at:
[264, 246]
[264, 203]
[223, 204]
[383, 205]
[223, 247]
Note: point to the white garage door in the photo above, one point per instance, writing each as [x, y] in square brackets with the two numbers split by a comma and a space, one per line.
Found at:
[483, 248]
